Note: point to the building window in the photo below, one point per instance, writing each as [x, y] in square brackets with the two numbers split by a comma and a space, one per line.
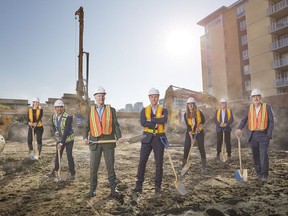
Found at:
[240, 11]
[248, 85]
[245, 55]
[246, 69]
[244, 39]
[242, 25]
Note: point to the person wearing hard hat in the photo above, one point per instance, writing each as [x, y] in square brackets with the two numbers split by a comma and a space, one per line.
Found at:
[223, 120]
[260, 123]
[194, 120]
[64, 135]
[34, 116]
[153, 119]
[102, 124]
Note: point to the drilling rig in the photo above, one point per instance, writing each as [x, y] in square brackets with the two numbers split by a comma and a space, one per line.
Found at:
[82, 89]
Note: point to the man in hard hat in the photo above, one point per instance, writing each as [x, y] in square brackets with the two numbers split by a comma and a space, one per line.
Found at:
[102, 124]
[34, 116]
[194, 120]
[153, 119]
[260, 122]
[64, 135]
[223, 120]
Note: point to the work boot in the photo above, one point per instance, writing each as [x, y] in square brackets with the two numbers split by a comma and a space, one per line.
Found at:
[218, 157]
[51, 175]
[114, 192]
[91, 194]
[203, 164]
[137, 189]
[158, 190]
[71, 178]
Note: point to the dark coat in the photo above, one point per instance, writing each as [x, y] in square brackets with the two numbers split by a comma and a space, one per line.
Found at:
[228, 123]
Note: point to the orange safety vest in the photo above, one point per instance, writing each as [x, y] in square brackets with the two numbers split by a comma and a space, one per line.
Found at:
[37, 116]
[160, 127]
[98, 127]
[198, 121]
[219, 113]
[258, 123]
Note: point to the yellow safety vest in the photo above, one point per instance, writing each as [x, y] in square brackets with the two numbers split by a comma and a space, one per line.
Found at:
[62, 125]
[219, 113]
[198, 121]
[40, 124]
[158, 114]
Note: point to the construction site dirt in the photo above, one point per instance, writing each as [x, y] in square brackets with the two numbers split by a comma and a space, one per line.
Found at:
[26, 191]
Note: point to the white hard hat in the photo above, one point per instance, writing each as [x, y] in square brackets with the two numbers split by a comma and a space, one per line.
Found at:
[58, 103]
[223, 100]
[99, 90]
[36, 99]
[256, 92]
[190, 100]
[153, 91]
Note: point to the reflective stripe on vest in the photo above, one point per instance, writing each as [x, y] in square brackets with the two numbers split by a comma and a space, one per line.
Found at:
[219, 113]
[198, 121]
[160, 127]
[257, 123]
[98, 127]
[62, 126]
[37, 116]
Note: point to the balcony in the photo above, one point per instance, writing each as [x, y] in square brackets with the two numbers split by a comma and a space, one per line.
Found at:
[280, 63]
[280, 45]
[279, 28]
[281, 83]
[278, 10]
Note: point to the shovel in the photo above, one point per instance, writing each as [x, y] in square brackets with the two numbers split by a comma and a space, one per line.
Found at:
[58, 173]
[177, 183]
[223, 155]
[188, 163]
[242, 174]
[35, 145]
[130, 140]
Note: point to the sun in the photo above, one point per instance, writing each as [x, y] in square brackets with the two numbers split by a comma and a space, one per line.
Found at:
[179, 43]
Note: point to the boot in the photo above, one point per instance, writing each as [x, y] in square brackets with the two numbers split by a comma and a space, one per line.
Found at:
[203, 164]
[114, 192]
[137, 189]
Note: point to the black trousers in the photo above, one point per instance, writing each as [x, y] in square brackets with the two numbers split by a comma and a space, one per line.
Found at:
[227, 137]
[200, 143]
[158, 150]
[69, 151]
[39, 132]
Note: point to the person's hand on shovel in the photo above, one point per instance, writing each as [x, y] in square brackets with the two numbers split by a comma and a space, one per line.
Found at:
[85, 141]
[59, 146]
[238, 132]
[121, 140]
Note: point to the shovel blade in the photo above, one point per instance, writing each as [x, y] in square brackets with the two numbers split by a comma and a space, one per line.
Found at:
[135, 139]
[241, 176]
[185, 169]
[180, 187]
[223, 157]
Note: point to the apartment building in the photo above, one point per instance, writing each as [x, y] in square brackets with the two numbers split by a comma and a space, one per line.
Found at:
[245, 46]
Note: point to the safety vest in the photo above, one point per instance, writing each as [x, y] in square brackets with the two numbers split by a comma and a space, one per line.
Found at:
[62, 126]
[219, 113]
[198, 121]
[37, 116]
[158, 114]
[258, 123]
[98, 127]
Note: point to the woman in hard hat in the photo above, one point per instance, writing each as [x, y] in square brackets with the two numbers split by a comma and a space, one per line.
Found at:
[34, 116]
[223, 119]
[64, 135]
[194, 120]
[260, 121]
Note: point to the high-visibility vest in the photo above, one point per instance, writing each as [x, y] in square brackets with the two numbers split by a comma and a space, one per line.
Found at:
[219, 113]
[40, 124]
[160, 127]
[260, 122]
[62, 126]
[98, 127]
[198, 121]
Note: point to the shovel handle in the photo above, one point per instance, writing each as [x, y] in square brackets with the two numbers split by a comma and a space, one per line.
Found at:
[59, 161]
[239, 152]
[171, 162]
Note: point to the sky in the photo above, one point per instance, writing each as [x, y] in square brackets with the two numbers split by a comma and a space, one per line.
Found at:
[133, 45]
